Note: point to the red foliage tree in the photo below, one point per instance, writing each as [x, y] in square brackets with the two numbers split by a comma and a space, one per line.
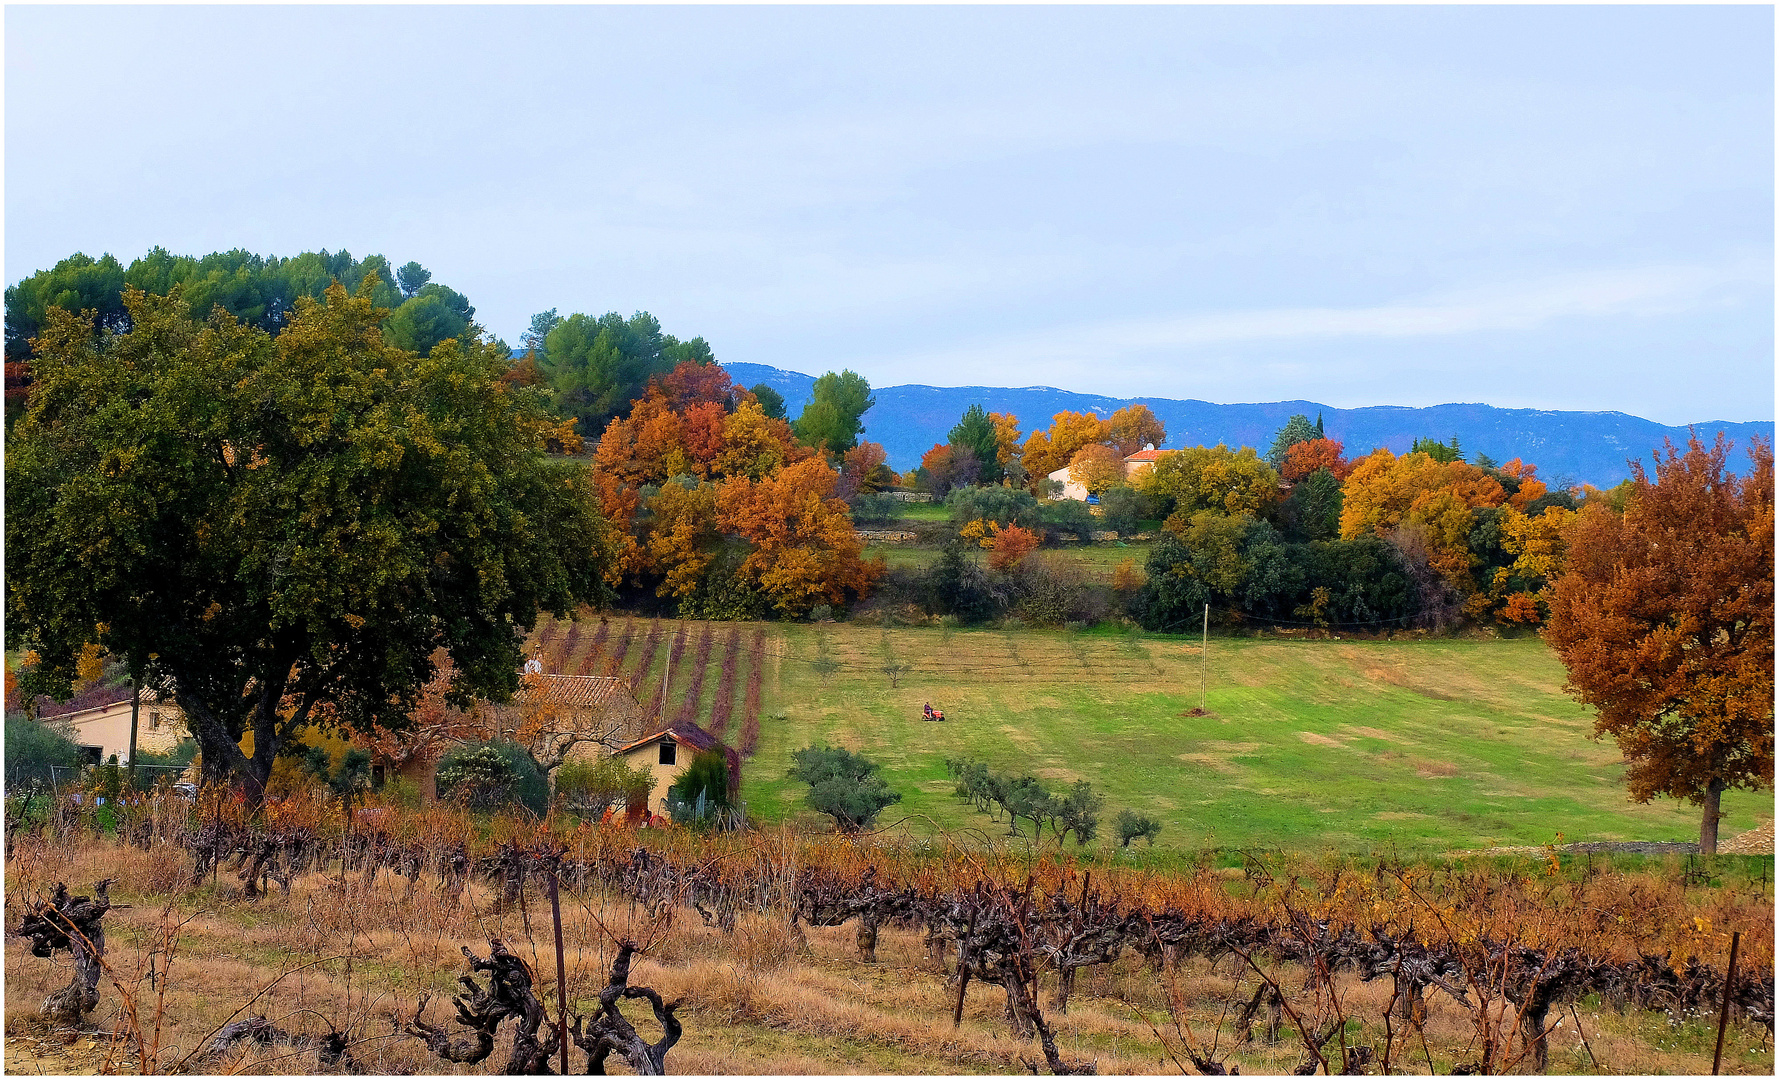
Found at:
[1664, 619]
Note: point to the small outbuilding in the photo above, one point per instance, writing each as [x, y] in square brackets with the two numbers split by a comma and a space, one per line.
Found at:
[669, 752]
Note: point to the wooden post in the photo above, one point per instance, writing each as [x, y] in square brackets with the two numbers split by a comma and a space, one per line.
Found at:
[561, 973]
[1723, 1019]
[1204, 655]
[135, 711]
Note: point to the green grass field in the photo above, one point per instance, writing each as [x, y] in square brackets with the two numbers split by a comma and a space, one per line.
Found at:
[1421, 745]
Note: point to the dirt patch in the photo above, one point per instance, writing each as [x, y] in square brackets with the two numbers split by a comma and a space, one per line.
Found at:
[1435, 770]
[1319, 740]
[1212, 762]
[1370, 733]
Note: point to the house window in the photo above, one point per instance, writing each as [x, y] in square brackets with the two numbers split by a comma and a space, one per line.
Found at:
[669, 752]
[154, 721]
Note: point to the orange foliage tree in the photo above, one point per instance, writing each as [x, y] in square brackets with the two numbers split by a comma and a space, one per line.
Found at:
[434, 726]
[1664, 619]
[1304, 458]
[804, 549]
[862, 469]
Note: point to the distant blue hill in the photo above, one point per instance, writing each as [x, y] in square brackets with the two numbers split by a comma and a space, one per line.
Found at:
[1585, 447]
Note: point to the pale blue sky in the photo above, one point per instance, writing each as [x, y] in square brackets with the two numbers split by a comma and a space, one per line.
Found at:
[1534, 207]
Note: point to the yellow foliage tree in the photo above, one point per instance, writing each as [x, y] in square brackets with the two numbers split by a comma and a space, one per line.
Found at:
[756, 445]
[1540, 542]
[1212, 478]
[1383, 489]
[681, 536]
[1007, 450]
[1048, 451]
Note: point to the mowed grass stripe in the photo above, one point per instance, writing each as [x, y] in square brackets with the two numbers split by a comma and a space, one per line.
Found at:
[1421, 744]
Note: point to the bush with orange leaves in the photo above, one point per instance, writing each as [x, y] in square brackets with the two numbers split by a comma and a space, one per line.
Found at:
[1010, 544]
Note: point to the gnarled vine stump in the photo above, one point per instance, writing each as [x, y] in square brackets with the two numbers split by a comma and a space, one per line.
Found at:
[71, 924]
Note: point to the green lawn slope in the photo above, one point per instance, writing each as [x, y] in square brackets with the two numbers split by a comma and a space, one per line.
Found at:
[1422, 745]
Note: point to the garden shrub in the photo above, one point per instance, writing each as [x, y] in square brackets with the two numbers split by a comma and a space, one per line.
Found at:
[487, 776]
[32, 746]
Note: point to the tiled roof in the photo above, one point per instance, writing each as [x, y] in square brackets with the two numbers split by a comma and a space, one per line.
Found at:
[686, 734]
[1147, 455]
[582, 690]
[95, 697]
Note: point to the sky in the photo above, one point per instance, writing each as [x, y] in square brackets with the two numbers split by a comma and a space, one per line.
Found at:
[1533, 207]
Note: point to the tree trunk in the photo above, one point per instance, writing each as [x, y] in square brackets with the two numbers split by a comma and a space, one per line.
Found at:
[1533, 1038]
[1713, 803]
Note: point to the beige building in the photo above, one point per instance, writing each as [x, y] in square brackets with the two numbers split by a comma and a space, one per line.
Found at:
[668, 752]
[103, 730]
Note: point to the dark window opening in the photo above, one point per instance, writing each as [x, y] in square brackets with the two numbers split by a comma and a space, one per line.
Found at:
[669, 752]
[92, 755]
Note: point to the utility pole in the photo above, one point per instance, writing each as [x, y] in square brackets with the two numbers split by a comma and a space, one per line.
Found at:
[1204, 655]
[667, 673]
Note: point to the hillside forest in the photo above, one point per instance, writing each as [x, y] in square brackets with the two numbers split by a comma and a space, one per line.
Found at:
[718, 505]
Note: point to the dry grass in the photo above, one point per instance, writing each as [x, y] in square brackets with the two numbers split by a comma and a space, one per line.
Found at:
[765, 997]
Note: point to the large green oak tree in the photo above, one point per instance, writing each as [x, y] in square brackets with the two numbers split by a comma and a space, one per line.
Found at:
[285, 530]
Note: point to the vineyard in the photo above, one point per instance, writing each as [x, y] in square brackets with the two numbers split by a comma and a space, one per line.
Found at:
[299, 941]
[680, 671]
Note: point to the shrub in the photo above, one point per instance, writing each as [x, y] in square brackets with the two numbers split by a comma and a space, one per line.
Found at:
[1052, 591]
[592, 787]
[1120, 509]
[869, 508]
[1001, 505]
[31, 748]
[1069, 517]
[167, 766]
[702, 791]
[843, 785]
[490, 775]
[1010, 545]
[723, 592]
[957, 586]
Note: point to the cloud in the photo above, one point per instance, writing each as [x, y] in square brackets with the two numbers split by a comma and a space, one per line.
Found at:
[1628, 293]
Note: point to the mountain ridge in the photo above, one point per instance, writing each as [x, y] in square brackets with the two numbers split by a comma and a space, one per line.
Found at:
[1578, 446]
